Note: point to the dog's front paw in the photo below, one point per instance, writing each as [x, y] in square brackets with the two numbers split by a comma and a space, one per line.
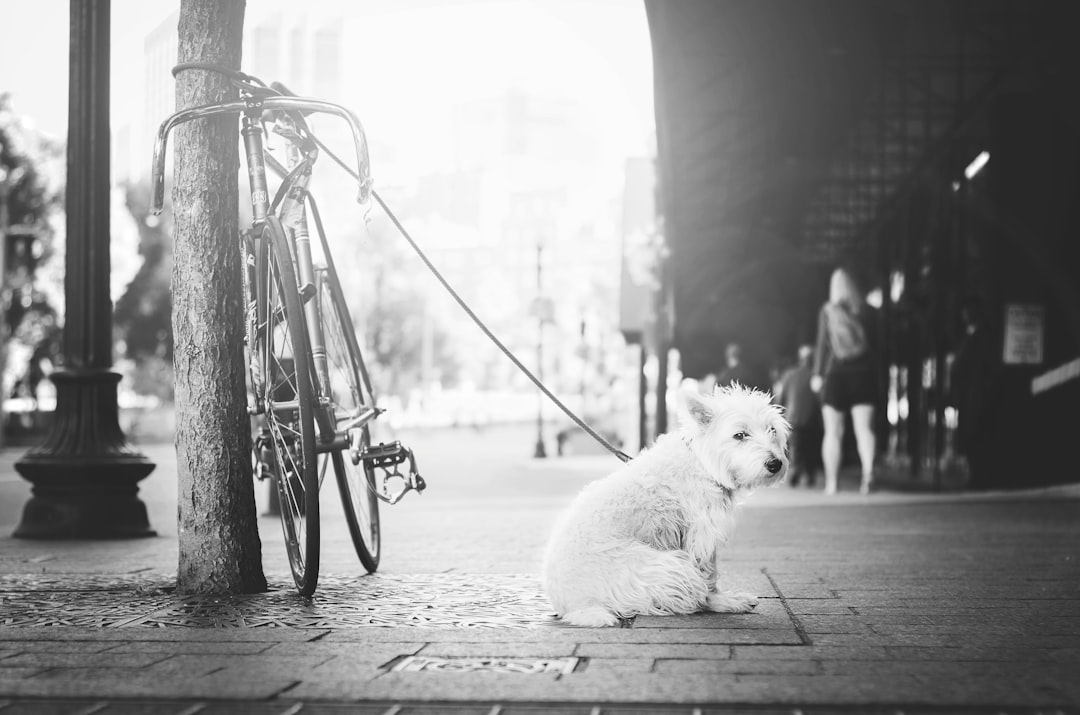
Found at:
[592, 617]
[730, 602]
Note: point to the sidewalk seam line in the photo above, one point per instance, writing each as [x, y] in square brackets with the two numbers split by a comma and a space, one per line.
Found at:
[800, 631]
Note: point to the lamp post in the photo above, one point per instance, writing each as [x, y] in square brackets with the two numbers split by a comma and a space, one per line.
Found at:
[84, 474]
[540, 452]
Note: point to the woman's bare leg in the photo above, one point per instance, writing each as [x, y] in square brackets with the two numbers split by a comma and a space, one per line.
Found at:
[831, 444]
[862, 419]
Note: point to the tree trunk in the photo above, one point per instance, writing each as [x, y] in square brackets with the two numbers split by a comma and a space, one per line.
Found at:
[220, 550]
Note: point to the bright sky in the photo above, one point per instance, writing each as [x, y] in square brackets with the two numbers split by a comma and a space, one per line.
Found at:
[418, 58]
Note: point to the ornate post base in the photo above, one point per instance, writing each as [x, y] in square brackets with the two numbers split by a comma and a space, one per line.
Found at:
[84, 474]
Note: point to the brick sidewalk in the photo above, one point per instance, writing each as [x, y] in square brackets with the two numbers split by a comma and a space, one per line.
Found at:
[882, 603]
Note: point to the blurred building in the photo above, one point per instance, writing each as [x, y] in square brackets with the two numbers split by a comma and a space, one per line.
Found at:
[280, 44]
[532, 220]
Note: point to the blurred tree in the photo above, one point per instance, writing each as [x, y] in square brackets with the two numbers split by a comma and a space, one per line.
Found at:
[403, 333]
[31, 206]
[142, 319]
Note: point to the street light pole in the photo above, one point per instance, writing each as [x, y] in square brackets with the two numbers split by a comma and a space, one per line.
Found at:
[85, 475]
[540, 452]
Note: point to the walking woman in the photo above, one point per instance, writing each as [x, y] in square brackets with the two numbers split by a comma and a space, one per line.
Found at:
[844, 375]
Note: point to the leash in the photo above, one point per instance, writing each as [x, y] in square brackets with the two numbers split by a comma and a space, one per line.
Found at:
[491, 336]
[473, 316]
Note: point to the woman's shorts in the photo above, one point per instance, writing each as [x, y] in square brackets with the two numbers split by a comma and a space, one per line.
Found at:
[848, 385]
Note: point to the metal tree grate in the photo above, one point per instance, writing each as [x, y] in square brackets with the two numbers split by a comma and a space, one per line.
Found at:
[431, 600]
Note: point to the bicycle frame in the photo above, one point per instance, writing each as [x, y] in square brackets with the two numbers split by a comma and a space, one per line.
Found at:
[251, 109]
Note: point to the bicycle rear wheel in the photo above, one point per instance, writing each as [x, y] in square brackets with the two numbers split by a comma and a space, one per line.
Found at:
[350, 404]
[288, 397]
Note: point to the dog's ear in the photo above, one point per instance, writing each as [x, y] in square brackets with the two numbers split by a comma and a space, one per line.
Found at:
[697, 408]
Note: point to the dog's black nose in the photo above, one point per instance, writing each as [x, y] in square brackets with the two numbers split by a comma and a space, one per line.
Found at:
[773, 465]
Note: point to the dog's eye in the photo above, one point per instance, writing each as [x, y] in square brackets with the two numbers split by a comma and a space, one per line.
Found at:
[740, 436]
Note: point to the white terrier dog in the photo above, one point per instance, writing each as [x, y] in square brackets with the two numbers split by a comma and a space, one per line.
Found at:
[644, 539]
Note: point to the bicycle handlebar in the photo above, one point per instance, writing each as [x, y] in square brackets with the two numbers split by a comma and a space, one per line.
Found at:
[285, 104]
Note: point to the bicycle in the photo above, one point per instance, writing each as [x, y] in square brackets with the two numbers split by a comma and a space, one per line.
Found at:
[308, 385]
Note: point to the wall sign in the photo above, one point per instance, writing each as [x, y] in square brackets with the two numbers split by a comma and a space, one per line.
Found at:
[1024, 332]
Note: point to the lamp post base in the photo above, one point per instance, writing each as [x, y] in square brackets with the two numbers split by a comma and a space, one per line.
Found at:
[84, 517]
[84, 475]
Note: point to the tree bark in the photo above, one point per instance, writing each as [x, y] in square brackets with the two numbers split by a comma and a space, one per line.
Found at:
[220, 551]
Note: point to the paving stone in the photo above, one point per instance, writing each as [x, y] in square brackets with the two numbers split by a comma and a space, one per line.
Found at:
[902, 690]
[678, 666]
[813, 652]
[958, 670]
[849, 623]
[87, 672]
[232, 707]
[786, 633]
[19, 634]
[63, 684]
[56, 707]
[496, 650]
[670, 650]
[57, 646]
[337, 667]
[854, 639]
[1064, 655]
[197, 647]
[490, 687]
[767, 614]
[16, 672]
[96, 660]
[620, 665]
[820, 607]
[365, 652]
[806, 590]
[576, 687]
[986, 629]
[179, 666]
[968, 653]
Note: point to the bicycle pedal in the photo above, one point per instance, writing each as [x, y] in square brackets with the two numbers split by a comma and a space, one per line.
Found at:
[384, 455]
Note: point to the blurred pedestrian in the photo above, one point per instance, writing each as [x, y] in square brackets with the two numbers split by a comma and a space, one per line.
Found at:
[970, 379]
[844, 376]
[738, 370]
[804, 414]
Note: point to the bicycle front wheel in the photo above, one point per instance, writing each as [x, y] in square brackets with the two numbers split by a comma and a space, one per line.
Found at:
[288, 397]
[350, 405]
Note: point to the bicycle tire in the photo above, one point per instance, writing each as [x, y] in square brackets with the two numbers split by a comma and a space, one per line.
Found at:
[288, 397]
[349, 393]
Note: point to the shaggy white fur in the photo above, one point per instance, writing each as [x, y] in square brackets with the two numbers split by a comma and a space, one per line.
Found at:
[644, 539]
